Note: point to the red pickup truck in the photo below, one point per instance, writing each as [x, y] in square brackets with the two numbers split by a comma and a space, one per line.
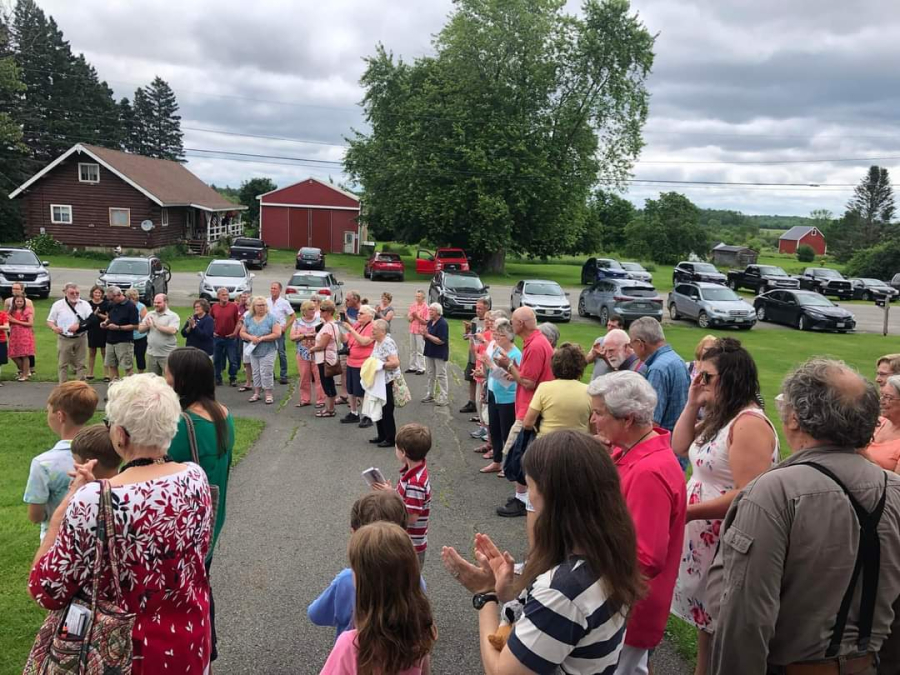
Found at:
[443, 259]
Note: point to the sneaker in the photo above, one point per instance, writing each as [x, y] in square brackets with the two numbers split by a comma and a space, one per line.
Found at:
[365, 423]
[477, 434]
[512, 509]
[420, 372]
[468, 407]
[484, 434]
[350, 418]
[283, 380]
[428, 399]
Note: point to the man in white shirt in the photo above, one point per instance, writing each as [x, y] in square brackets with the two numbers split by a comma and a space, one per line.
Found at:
[284, 314]
[162, 325]
[69, 319]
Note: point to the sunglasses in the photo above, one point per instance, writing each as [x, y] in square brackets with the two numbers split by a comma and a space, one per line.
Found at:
[706, 377]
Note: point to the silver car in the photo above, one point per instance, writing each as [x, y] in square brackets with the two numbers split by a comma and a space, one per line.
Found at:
[304, 285]
[230, 274]
[710, 305]
[626, 298]
[546, 298]
[637, 271]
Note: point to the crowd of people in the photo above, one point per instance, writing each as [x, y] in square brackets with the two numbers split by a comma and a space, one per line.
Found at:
[781, 565]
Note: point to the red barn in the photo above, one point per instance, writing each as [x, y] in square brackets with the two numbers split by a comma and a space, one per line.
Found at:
[799, 235]
[310, 213]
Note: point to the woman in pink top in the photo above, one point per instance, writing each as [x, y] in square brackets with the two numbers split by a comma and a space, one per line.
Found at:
[21, 335]
[884, 449]
[418, 320]
[388, 584]
[361, 343]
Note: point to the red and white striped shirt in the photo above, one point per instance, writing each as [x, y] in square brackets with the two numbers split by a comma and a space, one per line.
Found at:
[414, 489]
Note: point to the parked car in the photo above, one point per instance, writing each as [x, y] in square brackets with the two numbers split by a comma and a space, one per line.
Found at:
[457, 291]
[229, 274]
[686, 271]
[710, 305]
[595, 269]
[826, 281]
[895, 282]
[761, 278]
[546, 298]
[628, 298]
[873, 289]
[309, 258]
[637, 271]
[148, 275]
[806, 310]
[22, 266]
[304, 285]
[254, 252]
[384, 265]
[449, 259]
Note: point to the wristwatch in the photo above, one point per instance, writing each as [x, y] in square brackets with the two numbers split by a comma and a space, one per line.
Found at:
[479, 600]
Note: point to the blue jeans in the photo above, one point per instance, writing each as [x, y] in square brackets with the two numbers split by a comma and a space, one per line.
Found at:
[223, 347]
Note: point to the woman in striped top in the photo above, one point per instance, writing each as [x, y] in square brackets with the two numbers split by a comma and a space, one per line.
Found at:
[581, 575]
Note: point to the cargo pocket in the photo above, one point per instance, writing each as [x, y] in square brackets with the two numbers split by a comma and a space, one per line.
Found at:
[736, 547]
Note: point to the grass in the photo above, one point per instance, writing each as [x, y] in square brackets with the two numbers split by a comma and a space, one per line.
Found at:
[25, 435]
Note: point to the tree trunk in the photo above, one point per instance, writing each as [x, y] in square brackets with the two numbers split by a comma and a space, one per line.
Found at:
[494, 263]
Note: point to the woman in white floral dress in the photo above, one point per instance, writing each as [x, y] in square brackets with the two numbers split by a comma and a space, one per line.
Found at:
[733, 444]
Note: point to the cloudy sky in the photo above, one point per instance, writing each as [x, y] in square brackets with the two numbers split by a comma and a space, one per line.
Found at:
[735, 83]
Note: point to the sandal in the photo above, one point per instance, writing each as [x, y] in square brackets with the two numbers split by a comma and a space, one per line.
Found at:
[341, 400]
[325, 413]
[245, 387]
[253, 399]
[301, 405]
[269, 400]
[106, 379]
[482, 448]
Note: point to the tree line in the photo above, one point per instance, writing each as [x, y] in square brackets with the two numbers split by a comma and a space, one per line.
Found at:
[52, 98]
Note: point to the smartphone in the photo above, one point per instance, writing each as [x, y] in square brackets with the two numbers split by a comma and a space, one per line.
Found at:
[373, 475]
[343, 316]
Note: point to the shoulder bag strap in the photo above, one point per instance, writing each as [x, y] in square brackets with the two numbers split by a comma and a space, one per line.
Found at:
[110, 541]
[192, 437]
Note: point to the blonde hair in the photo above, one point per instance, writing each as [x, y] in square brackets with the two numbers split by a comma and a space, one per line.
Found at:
[327, 306]
[705, 343]
[132, 294]
[255, 299]
[146, 407]
[307, 304]
[367, 309]
[387, 296]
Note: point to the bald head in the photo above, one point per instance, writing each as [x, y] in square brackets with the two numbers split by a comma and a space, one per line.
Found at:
[524, 320]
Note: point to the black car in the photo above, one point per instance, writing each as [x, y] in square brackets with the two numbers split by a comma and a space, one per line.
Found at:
[806, 310]
[872, 289]
[686, 271]
[253, 252]
[22, 266]
[457, 292]
[595, 269]
[309, 258]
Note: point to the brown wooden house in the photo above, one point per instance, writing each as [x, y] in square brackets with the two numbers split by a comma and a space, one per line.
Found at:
[92, 197]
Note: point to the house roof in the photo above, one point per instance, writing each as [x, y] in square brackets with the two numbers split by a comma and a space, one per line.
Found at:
[730, 249]
[797, 232]
[163, 181]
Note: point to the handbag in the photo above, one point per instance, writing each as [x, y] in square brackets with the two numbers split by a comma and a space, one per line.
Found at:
[402, 395]
[106, 646]
[333, 369]
[195, 458]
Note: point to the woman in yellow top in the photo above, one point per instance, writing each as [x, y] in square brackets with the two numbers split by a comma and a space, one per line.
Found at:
[884, 449]
[562, 403]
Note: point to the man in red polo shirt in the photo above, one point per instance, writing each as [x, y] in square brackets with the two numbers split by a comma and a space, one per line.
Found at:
[225, 337]
[622, 406]
[533, 369]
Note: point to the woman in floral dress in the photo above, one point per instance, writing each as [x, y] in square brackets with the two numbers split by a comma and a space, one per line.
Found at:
[21, 335]
[733, 444]
[163, 525]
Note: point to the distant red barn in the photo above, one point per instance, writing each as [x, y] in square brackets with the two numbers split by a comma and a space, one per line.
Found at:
[310, 213]
[799, 235]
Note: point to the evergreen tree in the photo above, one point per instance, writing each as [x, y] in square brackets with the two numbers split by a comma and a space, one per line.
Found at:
[12, 150]
[126, 123]
[159, 120]
[873, 200]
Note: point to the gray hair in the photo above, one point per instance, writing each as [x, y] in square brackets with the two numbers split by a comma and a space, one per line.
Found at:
[354, 294]
[894, 381]
[828, 407]
[497, 314]
[381, 324]
[146, 407]
[113, 290]
[550, 332]
[647, 329]
[626, 393]
[367, 309]
[505, 327]
[437, 307]
[65, 288]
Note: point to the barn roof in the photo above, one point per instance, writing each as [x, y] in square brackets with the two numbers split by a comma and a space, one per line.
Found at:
[730, 249]
[162, 181]
[352, 196]
[797, 232]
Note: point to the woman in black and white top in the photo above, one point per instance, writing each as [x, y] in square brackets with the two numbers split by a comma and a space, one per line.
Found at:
[581, 576]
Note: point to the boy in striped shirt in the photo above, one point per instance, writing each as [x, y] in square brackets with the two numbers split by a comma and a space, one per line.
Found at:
[413, 441]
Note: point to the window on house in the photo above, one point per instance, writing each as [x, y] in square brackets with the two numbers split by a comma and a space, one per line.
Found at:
[60, 214]
[120, 217]
[88, 173]
[164, 218]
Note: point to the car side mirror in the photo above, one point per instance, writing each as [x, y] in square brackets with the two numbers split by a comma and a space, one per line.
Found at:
[45, 263]
[200, 274]
[567, 293]
[103, 271]
[340, 283]
[252, 275]
[486, 287]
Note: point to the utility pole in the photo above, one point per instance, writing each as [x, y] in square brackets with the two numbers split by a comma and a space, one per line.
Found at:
[887, 311]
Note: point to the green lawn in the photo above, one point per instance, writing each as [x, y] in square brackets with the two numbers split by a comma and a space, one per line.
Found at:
[25, 435]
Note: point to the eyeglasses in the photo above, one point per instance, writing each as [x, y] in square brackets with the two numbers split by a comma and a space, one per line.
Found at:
[109, 425]
[888, 398]
[706, 377]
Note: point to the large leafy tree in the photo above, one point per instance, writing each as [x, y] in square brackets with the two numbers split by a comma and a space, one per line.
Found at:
[495, 142]
[608, 216]
[248, 193]
[667, 230]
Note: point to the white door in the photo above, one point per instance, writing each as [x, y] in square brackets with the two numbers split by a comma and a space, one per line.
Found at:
[349, 239]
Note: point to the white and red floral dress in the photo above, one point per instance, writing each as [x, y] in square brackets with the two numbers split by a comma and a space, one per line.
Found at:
[710, 478]
[163, 529]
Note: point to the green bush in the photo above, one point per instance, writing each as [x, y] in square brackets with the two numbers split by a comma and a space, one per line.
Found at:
[392, 247]
[220, 250]
[879, 262]
[44, 244]
[806, 253]
[650, 267]
[89, 254]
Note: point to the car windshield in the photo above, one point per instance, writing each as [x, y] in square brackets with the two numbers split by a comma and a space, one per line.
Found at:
[451, 253]
[249, 243]
[461, 283]
[706, 268]
[388, 257]
[224, 270]
[638, 291]
[129, 267]
[772, 271]
[543, 288]
[873, 282]
[632, 267]
[310, 252]
[609, 264]
[18, 258]
[814, 300]
[307, 280]
[720, 294]
[828, 274]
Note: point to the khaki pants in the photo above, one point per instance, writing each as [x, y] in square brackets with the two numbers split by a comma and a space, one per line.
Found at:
[71, 352]
[157, 364]
[417, 352]
[437, 374]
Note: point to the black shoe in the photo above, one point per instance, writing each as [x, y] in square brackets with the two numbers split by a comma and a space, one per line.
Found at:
[376, 440]
[386, 444]
[365, 423]
[515, 509]
[283, 380]
[232, 383]
[410, 370]
[218, 383]
[420, 372]
[350, 418]
[468, 407]
[511, 500]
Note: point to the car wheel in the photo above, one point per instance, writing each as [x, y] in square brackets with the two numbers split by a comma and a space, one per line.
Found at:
[581, 308]
[604, 315]
[732, 284]
[401, 278]
[673, 312]
[43, 296]
[703, 320]
[761, 313]
[803, 323]
[745, 327]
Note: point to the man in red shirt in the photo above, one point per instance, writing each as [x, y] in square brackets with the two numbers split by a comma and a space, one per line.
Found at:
[533, 369]
[622, 405]
[225, 337]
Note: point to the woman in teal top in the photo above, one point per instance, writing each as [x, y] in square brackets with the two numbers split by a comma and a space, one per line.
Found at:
[190, 372]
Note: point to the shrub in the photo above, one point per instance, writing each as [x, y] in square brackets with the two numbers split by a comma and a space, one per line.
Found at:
[392, 247]
[172, 251]
[650, 267]
[806, 253]
[89, 254]
[879, 262]
[220, 250]
[44, 244]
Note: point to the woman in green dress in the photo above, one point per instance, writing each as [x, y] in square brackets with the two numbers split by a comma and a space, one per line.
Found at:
[190, 373]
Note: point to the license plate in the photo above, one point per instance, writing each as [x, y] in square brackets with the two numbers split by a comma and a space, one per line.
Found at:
[840, 325]
[642, 305]
[738, 320]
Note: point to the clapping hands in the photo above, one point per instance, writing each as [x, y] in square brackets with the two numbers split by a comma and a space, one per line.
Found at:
[495, 570]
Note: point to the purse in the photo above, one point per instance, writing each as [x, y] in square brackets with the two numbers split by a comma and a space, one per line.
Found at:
[333, 369]
[195, 457]
[402, 395]
[106, 646]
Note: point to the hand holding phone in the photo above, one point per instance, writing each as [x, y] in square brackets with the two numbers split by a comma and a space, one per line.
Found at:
[373, 475]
